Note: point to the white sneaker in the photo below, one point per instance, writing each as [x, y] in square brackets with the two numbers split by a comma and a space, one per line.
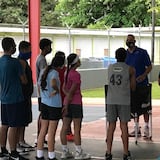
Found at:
[146, 131]
[22, 151]
[81, 155]
[66, 154]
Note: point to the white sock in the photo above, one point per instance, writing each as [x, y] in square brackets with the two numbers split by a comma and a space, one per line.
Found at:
[64, 148]
[40, 153]
[51, 155]
[78, 148]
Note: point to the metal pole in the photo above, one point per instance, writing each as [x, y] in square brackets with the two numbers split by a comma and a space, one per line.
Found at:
[153, 31]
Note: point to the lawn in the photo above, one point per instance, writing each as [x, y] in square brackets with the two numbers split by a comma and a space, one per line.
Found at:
[99, 92]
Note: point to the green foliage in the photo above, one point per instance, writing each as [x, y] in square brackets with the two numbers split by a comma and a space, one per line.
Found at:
[97, 14]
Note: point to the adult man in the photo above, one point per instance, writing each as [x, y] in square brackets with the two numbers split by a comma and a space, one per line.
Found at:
[121, 79]
[41, 63]
[12, 99]
[139, 59]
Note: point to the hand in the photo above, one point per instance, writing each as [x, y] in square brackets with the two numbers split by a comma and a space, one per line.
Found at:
[140, 78]
[64, 110]
[53, 93]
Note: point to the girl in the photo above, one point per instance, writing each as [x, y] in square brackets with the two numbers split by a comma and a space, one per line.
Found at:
[72, 109]
[51, 106]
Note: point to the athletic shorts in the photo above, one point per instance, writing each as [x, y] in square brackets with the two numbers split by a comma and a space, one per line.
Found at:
[39, 103]
[123, 112]
[28, 110]
[75, 111]
[13, 115]
[50, 113]
[140, 100]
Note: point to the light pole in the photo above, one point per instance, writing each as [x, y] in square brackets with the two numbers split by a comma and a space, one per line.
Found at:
[153, 30]
[69, 35]
[23, 26]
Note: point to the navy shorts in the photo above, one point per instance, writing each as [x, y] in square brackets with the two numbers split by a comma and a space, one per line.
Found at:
[142, 95]
[50, 113]
[75, 111]
[13, 115]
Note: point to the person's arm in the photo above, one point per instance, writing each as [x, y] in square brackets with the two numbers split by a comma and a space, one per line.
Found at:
[70, 93]
[143, 76]
[132, 78]
[23, 77]
[55, 87]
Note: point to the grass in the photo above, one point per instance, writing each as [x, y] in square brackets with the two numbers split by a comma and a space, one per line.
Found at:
[99, 92]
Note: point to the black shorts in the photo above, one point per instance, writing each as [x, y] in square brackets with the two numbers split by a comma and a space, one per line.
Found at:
[28, 110]
[39, 103]
[50, 113]
[75, 111]
[13, 115]
[139, 98]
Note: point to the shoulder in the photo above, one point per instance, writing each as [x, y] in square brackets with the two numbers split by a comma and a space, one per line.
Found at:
[141, 50]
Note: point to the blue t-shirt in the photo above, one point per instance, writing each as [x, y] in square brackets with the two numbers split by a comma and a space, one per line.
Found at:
[139, 59]
[46, 98]
[11, 88]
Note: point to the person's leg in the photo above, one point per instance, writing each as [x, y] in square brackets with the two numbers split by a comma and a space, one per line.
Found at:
[3, 140]
[12, 133]
[110, 133]
[41, 137]
[146, 126]
[124, 130]
[64, 129]
[77, 131]
[51, 138]
[65, 151]
[3, 135]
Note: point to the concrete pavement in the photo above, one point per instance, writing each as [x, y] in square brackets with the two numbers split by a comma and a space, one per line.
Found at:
[94, 134]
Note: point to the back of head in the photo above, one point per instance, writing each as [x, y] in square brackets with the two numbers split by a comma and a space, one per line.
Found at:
[57, 61]
[7, 43]
[72, 59]
[44, 42]
[23, 45]
[121, 54]
[60, 53]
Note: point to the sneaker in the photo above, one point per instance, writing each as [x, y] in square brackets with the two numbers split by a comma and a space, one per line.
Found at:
[66, 154]
[4, 155]
[81, 155]
[16, 156]
[146, 131]
[132, 134]
[108, 156]
[127, 157]
[25, 145]
[40, 158]
[22, 151]
[70, 137]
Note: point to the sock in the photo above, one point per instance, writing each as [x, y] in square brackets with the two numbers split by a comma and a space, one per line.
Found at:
[64, 148]
[40, 153]
[51, 155]
[78, 148]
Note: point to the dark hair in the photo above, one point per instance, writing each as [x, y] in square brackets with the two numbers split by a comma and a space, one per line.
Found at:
[24, 45]
[44, 42]
[70, 59]
[60, 53]
[56, 62]
[7, 43]
[121, 54]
